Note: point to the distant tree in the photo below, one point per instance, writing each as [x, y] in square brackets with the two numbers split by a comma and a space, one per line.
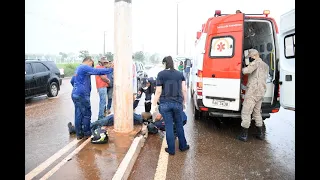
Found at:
[155, 58]
[83, 54]
[139, 56]
[64, 56]
[109, 56]
[47, 56]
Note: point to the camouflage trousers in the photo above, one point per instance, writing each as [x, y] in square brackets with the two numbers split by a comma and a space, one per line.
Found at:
[251, 105]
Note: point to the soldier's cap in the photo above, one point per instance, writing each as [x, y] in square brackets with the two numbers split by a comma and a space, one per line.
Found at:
[103, 60]
[252, 52]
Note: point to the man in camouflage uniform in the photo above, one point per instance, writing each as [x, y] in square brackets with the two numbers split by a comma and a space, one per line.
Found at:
[256, 88]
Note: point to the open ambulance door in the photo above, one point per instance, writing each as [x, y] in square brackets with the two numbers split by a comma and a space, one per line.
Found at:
[287, 60]
[222, 62]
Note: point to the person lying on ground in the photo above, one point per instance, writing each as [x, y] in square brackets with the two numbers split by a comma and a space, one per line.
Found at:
[109, 121]
[158, 123]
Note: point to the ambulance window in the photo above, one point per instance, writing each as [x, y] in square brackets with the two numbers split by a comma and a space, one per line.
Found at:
[222, 47]
[289, 46]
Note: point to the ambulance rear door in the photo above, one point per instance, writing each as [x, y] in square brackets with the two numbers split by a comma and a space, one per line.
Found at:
[222, 62]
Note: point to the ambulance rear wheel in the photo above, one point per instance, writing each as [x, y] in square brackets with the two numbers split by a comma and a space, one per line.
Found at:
[204, 114]
[196, 113]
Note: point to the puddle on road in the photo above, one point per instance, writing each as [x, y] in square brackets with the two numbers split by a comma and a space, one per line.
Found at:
[98, 161]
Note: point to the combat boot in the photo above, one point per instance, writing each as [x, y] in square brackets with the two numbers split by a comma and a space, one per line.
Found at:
[260, 134]
[71, 128]
[243, 135]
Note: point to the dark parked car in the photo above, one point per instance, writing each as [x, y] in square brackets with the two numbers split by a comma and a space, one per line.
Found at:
[41, 77]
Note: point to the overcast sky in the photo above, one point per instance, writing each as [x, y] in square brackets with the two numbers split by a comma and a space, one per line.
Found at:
[54, 26]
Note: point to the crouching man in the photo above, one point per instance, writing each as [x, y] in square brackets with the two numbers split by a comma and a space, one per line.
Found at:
[148, 88]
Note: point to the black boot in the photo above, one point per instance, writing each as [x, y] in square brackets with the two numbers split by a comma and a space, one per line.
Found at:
[147, 107]
[71, 128]
[243, 135]
[260, 134]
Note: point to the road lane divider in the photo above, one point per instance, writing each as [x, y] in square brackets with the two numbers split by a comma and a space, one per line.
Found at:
[126, 165]
[50, 160]
[161, 171]
[65, 160]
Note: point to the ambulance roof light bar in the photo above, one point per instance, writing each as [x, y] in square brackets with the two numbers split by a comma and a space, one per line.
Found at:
[265, 12]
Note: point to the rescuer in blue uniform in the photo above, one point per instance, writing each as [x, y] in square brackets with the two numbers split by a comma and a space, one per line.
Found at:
[81, 82]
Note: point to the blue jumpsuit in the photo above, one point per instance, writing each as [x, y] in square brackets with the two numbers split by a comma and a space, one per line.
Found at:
[81, 83]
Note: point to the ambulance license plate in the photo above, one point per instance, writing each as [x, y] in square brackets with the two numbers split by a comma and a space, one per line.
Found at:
[221, 103]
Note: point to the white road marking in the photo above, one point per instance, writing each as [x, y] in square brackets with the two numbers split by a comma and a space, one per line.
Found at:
[161, 171]
[56, 168]
[50, 160]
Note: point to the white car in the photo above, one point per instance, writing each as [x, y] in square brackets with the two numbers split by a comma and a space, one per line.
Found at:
[61, 73]
[153, 72]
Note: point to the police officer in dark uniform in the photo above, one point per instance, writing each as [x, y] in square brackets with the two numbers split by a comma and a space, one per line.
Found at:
[148, 87]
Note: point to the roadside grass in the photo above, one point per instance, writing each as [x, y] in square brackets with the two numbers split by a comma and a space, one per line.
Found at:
[68, 68]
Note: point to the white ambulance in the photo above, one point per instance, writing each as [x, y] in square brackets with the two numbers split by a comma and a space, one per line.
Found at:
[217, 83]
[287, 60]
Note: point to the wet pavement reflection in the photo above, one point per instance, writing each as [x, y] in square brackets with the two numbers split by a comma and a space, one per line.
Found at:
[46, 133]
[215, 153]
[98, 161]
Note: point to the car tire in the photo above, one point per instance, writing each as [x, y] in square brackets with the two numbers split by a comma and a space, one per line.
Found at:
[204, 114]
[53, 89]
[196, 113]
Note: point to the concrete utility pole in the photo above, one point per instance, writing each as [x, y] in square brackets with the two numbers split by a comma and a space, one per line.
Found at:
[177, 28]
[104, 43]
[122, 93]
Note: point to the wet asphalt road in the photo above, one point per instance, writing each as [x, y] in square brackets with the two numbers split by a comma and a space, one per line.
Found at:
[46, 121]
[215, 153]
[46, 133]
[46, 125]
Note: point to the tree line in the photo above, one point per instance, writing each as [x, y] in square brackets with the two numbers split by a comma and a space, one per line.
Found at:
[64, 58]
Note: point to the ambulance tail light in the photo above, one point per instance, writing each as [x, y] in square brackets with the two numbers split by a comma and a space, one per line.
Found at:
[204, 109]
[199, 83]
[266, 12]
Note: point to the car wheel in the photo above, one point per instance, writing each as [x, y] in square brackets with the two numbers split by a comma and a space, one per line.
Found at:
[204, 114]
[196, 113]
[53, 90]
